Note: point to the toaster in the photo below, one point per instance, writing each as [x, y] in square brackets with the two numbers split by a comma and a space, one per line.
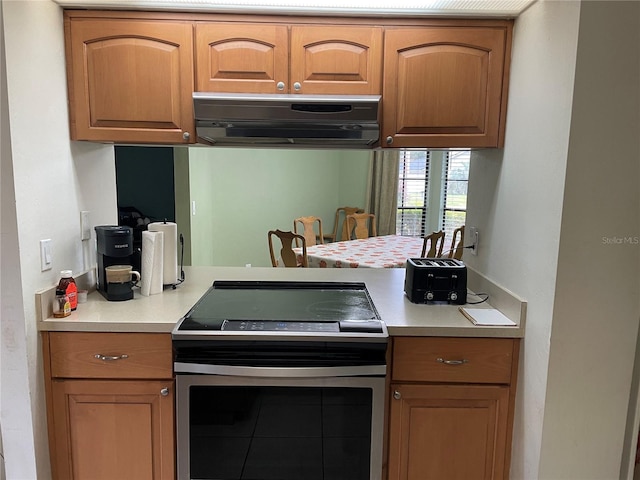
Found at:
[436, 280]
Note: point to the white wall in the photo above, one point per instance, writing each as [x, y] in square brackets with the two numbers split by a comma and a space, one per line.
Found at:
[515, 198]
[597, 299]
[543, 206]
[15, 412]
[53, 179]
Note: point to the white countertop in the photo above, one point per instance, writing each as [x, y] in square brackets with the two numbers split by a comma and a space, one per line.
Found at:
[160, 312]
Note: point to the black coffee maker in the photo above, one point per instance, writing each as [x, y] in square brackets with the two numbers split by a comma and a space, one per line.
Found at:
[115, 247]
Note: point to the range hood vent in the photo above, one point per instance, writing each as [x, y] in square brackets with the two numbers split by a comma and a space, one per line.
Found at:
[327, 121]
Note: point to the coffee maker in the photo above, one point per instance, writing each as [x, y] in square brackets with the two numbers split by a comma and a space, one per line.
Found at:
[115, 247]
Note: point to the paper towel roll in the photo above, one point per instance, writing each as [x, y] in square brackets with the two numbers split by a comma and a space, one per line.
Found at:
[151, 267]
[170, 255]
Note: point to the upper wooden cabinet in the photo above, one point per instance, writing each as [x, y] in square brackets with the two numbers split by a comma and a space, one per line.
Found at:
[131, 75]
[270, 58]
[336, 60]
[241, 58]
[445, 86]
[130, 80]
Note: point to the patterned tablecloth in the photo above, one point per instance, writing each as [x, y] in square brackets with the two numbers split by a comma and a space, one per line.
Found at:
[387, 251]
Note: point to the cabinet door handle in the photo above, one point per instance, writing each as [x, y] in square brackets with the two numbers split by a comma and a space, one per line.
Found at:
[186, 136]
[397, 395]
[164, 392]
[110, 358]
[297, 86]
[451, 362]
[280, 85]
[389, 140]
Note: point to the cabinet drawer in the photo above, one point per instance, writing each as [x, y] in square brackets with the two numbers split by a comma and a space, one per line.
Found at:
[111, 355]
[458, 360]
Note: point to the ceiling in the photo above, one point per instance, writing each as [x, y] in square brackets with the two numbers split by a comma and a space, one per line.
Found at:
[449, 8]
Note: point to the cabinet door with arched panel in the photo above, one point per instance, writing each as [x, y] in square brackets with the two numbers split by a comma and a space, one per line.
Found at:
[344, 60]
[445, 86]
[242, 58]
[281, 58]
[130, 80]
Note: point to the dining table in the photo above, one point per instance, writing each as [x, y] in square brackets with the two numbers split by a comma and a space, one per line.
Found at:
[384, 251]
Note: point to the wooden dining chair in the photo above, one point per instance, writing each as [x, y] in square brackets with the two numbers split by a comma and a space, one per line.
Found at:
[340, 225]
[361, 225]
[287, 255]
[309, 232]
[434, 242]
[457, 243]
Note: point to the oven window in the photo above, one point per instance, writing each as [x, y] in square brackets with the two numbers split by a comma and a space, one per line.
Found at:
[280, 433]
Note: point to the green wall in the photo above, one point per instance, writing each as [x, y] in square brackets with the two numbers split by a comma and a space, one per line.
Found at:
[241, 194]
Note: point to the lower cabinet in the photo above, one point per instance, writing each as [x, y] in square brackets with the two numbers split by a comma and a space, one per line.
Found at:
[113, 429]
[110, 406]
[110, 401]
[451, 408]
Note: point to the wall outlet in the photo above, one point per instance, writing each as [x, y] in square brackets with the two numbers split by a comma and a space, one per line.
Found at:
[475, 240]
[46, 257]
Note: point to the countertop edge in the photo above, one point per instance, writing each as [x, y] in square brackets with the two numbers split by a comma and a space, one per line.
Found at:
[473, 331]
[105, 327]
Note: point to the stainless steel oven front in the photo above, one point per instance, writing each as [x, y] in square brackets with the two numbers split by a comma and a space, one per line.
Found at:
[280, 381]
[281, 424]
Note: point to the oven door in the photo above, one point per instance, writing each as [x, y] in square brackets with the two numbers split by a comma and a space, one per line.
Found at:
[262, 424]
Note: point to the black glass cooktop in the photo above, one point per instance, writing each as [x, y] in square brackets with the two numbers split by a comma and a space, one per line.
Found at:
[280, 306]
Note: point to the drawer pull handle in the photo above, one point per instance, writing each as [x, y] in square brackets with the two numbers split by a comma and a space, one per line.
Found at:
[164, 392]
[109, 358]
[452, 362]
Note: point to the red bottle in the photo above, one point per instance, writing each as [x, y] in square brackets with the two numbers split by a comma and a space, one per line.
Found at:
[68, 284]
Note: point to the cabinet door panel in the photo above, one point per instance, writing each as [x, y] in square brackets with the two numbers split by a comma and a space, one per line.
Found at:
[108, 110]
[336, 60]
[106, 430]
[452, 432]
[132, 80]
[241, 58]
[452, 101]
[443, 86]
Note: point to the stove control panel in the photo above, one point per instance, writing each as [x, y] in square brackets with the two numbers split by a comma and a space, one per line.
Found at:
[278, 326]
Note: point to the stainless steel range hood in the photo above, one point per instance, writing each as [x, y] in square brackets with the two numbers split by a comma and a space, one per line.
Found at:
[325, 121]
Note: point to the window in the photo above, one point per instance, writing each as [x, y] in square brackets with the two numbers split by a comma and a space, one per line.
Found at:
[454, 210]
[413, 192]
[432, 191]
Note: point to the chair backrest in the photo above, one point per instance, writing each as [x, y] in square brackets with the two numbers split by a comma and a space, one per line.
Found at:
[361, 225]
[340, 224]
[308, 230]
[287, 255]
[435, 242]
[457, 243]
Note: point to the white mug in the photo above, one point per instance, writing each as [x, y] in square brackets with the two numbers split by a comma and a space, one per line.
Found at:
[121, 274]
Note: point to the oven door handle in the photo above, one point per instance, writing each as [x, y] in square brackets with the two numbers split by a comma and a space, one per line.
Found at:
[281, 372]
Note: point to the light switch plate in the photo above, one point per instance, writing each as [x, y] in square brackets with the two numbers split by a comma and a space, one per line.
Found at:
[85, 228]
[46, 257]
